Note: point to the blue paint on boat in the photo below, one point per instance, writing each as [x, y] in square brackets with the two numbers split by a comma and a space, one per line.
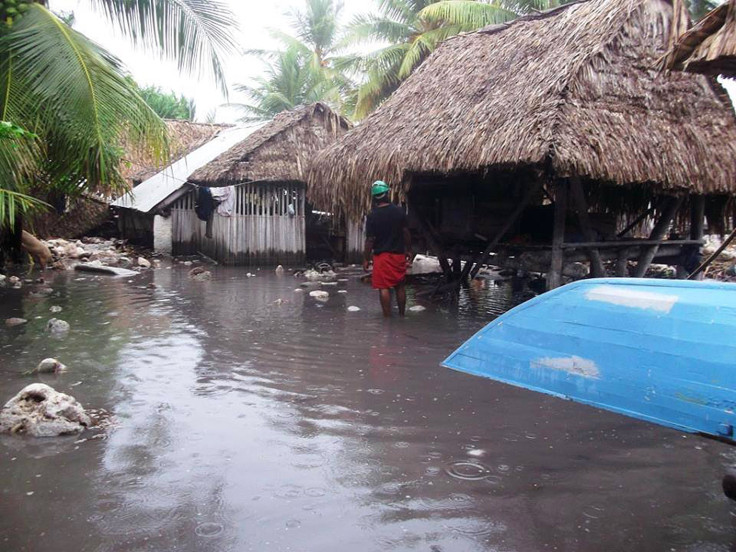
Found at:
[658, 350]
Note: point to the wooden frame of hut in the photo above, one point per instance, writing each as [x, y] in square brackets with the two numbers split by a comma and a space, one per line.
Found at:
[548, 140]
[709, 47]
[269, 224]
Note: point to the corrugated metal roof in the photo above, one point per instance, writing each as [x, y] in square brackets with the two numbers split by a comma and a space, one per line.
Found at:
[153, 191]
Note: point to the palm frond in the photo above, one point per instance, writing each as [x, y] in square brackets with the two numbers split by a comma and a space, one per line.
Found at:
[12, 203]
[468, 15]
[71, 93]
[194, 32]
[365, 28]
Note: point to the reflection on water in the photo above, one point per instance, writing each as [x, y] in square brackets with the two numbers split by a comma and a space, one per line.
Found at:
[252, 417]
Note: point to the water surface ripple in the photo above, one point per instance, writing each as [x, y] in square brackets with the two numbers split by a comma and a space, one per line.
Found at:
[251, 417]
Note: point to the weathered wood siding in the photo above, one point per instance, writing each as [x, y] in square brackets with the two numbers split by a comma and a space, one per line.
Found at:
[260, 232]
[355, 241]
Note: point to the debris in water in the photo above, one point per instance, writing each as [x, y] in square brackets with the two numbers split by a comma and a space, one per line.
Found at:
[48, 366]
[319, 295]
[57, 326]
[353, 308]
[55, 309]
[41, 411]
[200, 274]
[11, 322]
[417, 308]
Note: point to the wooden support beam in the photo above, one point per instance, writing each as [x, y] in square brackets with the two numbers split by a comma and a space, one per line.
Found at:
[714, 256]
[430, 233]
[636, 221]
[554, 276]
[622, 262]
[581, 206]
[512, 218]
[658, 233]
[697, 224]
[627, 243]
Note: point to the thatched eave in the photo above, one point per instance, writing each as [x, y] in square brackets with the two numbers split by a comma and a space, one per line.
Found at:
[280, 151]
[184, 137]
[709, 47]
[574, 90]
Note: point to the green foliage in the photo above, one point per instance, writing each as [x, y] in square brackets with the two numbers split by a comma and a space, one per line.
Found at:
[699, 8]
[168, 105]
[194, 33]
[410, 30]
[12, 11]
[73, 99]
[307, 68]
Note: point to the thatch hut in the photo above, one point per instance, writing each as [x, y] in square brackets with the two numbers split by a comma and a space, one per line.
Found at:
[137, 216]
[488, 139]
[710, 46]
[271, 218]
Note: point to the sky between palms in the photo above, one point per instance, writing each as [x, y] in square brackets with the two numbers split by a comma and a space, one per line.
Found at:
[254, 17]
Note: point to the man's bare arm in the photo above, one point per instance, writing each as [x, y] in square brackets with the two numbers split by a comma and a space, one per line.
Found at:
[367, 250]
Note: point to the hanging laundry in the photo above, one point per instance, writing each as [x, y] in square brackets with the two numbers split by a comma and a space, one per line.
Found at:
[205, 209]
[226, 198]
[205, 204]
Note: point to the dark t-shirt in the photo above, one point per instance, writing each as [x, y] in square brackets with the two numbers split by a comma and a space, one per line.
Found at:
[386, 226]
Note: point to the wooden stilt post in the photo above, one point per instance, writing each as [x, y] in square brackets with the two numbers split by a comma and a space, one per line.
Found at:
[714, 256]
[636, 221]
[658, 233]
[429, 233]
[516, 213]
[554, 277]
[581, 206]
[622, 262]
[697, 225]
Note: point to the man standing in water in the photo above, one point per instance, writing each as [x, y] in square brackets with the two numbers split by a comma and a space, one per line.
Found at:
[389, 240]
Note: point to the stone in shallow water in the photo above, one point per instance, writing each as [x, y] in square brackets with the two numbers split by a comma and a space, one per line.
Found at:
[41, 411]
[319, 295]
[11, 322]
[200, 274]
[98, 268]
[49, 366]
[57, 327]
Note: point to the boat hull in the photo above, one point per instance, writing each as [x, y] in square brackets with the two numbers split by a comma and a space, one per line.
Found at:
[657, 350]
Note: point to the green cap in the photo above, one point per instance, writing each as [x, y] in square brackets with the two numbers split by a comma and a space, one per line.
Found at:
[379, 187]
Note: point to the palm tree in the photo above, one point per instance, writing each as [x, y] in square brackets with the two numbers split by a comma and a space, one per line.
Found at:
[70, 99]
[290, 80]
[410, 30]
[308, 67]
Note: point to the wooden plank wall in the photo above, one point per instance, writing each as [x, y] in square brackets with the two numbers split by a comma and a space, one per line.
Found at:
[355, 234]
[260, 231]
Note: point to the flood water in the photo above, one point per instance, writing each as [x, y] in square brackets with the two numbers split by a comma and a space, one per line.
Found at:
[248, 423]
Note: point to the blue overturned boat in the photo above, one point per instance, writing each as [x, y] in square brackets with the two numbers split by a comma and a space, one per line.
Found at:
[663, 351]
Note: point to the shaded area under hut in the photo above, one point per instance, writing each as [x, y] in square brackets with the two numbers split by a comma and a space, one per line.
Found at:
[271, 221]
[709, 47]
[549, 140]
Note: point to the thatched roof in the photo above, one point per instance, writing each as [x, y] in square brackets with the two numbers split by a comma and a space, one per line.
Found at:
[572, 92]
[278, 152]
[710, 46]
[184, 137]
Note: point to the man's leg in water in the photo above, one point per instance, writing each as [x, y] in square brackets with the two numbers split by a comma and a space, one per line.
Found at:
[401, 297]
[385, 295]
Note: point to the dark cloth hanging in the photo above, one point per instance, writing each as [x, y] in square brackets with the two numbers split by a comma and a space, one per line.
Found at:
[205, 205]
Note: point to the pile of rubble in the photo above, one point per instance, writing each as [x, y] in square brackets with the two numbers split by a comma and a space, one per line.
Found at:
[116, 253]
[724, 266]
